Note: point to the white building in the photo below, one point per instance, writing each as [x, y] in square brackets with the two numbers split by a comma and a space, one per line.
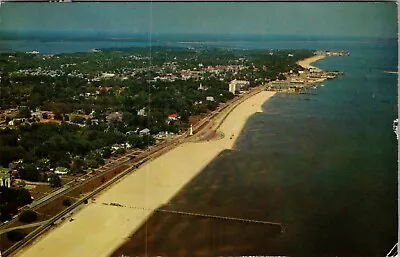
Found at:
[145, 131]
[33, 52]
[314, 70]
[108, 75]
[61, 171]
[142, 112]
[202, 88]
[237, 85]
[5, 179]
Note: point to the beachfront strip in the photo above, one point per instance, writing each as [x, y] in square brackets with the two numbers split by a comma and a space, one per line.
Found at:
[162, 178]
[103, 228]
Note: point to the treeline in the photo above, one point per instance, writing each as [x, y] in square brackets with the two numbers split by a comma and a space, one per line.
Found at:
[42, 147]
[41, 90]
[78, 143]
[11, 200]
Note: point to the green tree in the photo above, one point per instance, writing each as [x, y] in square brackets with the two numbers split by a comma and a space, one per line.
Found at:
[30, 172]
[281, 76]
[67, 202]
[106, 152]
[55, 181]
[28, 216]
[11, 200]
[77, 165]
[43, 164]
[24, 112]
[120, 151]
[16, 235]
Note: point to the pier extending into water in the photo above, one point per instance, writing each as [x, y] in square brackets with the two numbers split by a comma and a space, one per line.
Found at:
[201, 215]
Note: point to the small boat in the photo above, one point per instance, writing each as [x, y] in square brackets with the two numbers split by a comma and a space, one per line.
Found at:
[322, 85]
[395, 129]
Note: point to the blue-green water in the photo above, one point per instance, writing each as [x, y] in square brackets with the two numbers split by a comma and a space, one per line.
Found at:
[325, 164]
[332, 158]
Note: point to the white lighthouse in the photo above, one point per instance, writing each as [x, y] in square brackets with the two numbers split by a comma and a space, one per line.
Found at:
[191, 130]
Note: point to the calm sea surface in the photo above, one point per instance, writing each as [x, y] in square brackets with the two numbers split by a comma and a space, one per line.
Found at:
[332, 158]
[327, 163]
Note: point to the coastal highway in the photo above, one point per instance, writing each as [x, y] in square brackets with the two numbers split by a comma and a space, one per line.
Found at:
[134, 161]
[48, 197]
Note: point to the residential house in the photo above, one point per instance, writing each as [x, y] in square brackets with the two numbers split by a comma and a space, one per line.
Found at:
[11, 123]
[48, 115]
[108, 75]
[210, 98]
[142, 112]
[61, 171]
[202, 88]
[173, 116]
[114, 116]
[131, 132]
[145, 131]
[37, 114]
[116, 147]
[104, 89]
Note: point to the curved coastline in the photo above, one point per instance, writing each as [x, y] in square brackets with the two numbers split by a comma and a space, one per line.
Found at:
[306, 63]
[99, 229]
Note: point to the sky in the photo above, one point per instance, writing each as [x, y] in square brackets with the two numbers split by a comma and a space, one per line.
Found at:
[261, 18]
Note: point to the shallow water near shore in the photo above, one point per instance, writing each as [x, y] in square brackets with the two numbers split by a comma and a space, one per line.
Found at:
[334, 157]
[324, 165]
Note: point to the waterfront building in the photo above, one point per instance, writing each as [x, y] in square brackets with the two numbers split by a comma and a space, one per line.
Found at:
[236, 85]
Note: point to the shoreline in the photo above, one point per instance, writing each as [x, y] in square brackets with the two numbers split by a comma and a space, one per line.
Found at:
[204, 148]
[306, 63]
[100, 229]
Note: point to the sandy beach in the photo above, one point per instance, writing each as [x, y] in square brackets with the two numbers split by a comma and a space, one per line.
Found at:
[306, 63]
[99, 229]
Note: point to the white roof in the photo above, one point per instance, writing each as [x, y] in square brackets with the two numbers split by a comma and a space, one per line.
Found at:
[146, 130]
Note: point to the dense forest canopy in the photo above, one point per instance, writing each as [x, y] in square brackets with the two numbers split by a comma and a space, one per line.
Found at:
[104, 98]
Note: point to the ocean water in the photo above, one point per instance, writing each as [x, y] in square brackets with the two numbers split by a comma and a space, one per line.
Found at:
[331, 159]
[325, 164]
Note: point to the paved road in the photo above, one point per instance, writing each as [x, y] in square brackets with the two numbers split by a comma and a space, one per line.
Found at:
[47, 197]
[37, 224]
